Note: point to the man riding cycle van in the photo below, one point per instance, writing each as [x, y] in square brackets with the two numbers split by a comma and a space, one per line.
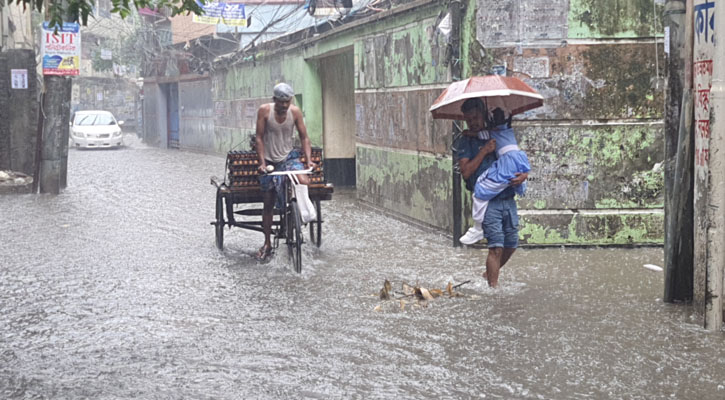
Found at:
[276, 123]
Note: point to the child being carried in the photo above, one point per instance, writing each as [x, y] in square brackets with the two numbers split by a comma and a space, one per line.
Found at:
[511, 160]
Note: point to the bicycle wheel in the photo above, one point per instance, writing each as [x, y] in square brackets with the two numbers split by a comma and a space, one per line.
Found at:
[294, 235]
[316, 226]
[219, 225]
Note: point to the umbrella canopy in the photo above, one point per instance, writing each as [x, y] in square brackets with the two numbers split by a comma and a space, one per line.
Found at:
[509, 93]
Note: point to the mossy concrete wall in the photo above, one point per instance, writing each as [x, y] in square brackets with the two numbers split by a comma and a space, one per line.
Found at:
[238, 91]
[402, 156]
[416, 186]
[596, 146]
[596, 167]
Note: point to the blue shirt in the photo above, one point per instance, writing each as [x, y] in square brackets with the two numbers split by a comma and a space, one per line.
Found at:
[468, 147]
[504, 136]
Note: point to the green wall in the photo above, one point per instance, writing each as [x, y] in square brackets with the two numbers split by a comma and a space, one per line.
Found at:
[412, 185]
[596, 145]
[615, 18]
[239, 90]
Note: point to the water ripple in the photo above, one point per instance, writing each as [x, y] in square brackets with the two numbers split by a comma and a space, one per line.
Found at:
[114, 289]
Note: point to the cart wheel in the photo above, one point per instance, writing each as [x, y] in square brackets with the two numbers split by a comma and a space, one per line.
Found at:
[294, 236]
[219, 227]
[316, 238]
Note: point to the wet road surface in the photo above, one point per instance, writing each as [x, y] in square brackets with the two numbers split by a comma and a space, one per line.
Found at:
[114, 289]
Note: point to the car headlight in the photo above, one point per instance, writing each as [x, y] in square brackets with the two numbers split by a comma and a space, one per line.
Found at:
[78, 134]
[117, 133]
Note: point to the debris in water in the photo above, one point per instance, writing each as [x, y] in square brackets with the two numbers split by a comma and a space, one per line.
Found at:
[14, 178]
[461, 284]
[653, 267]
[385, 291]
[421, 294]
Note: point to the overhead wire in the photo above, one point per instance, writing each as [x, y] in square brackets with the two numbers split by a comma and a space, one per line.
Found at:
[282, 18]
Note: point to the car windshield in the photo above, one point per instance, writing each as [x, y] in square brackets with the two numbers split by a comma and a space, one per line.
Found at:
[94, 119]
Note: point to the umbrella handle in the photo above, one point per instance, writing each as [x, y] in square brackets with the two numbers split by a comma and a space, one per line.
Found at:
[487, 115]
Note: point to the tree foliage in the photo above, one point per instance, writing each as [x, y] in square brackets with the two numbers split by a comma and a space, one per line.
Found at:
[127, 49]
[60, 11]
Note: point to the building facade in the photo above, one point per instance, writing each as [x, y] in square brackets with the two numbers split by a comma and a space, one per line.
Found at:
[365, 85]
[16, 31]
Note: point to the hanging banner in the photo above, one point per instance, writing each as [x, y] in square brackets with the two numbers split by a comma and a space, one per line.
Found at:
[222, 13]
[62, 50]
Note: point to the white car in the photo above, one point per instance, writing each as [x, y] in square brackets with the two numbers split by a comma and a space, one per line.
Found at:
[92, 129]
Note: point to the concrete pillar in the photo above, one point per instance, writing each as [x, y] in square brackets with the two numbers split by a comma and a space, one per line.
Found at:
[716, 190]
[678, 192]
[55, 129]
[65, 134]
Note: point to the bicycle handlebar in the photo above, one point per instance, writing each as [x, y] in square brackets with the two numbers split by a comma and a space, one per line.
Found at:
[299, 172]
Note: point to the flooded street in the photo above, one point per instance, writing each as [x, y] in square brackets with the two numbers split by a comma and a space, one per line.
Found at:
[114, 289]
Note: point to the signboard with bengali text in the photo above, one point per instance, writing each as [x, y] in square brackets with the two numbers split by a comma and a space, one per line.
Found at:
[61, 50]
[702, 69]
[231, 14]
[704, 51]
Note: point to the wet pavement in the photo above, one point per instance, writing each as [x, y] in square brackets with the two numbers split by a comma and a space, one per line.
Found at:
[114, 289]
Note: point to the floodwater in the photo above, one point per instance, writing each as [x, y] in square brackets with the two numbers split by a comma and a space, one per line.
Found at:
[114, 289]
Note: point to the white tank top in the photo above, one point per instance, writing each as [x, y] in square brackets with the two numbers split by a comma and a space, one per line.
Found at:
[278, 138]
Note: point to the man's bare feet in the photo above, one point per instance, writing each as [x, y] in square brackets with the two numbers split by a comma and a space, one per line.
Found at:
[485, 276]
[264, 252]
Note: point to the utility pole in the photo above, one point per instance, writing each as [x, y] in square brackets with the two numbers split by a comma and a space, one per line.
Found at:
[679, 148]
[54, 126]
[454, 8]
[54, 139]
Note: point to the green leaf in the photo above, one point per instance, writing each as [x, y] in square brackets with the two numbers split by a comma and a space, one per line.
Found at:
[79, 10]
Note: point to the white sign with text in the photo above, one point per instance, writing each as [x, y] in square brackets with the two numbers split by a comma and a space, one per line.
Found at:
[19, 78]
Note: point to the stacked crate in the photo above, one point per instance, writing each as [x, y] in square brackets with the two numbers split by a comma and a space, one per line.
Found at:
[244, 168]
[317, 175]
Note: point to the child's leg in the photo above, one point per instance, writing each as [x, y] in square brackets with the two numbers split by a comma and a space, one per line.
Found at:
[479, 210]
[475, 233]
